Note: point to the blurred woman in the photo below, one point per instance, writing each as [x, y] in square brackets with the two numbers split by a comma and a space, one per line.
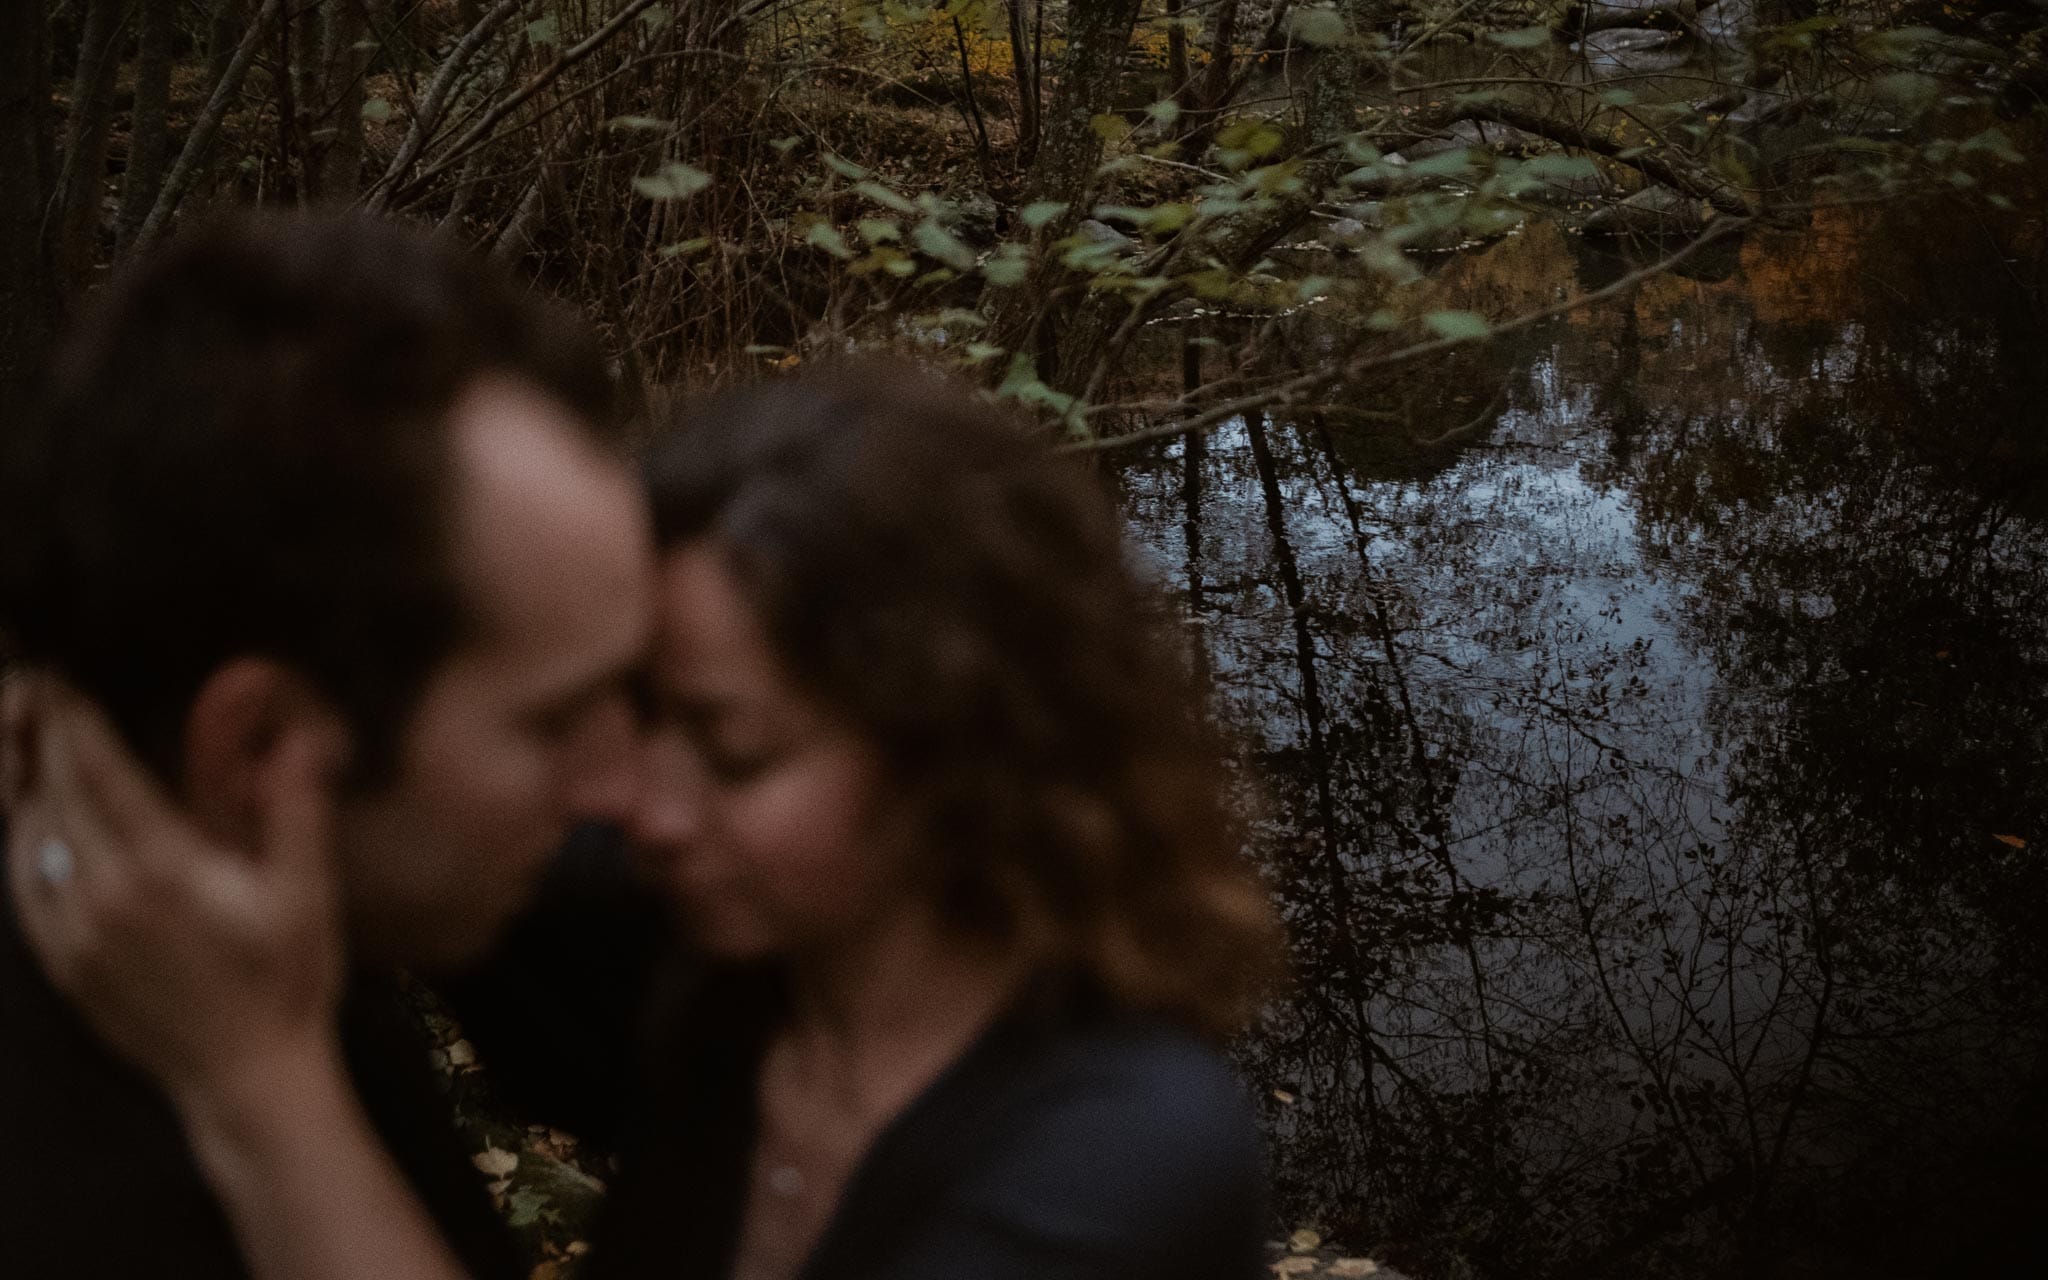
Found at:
[930, 795]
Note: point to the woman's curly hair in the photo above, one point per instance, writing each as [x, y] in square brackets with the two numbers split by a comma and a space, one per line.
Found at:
[929, 569]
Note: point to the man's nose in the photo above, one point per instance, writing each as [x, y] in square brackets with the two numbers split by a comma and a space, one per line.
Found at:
[603, 783]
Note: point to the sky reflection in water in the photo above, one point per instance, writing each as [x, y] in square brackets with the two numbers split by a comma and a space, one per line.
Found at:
[1641, 778]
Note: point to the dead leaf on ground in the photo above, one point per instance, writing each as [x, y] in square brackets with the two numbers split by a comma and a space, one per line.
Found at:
[1352, 1267]
[1294, 1266]
[1304, 1240]
[2015, 841]
[495, 1162]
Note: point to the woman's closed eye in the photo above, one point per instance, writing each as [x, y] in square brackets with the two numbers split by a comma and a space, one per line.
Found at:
[734, 762]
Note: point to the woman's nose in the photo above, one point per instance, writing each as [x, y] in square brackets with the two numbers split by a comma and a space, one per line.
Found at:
[668, 808]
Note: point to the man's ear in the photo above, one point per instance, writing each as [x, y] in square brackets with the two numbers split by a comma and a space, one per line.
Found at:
[239, 719]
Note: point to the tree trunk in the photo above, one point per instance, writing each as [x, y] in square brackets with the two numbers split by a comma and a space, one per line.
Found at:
[149, 134]
[85, 135]
[334, 163]
[28, 292]
[1176, 54]
[1024, 63]
[200, 140]
[1098, 34]
[224, 32]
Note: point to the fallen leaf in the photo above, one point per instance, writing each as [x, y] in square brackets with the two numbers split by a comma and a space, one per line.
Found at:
[1281, 1095]
[2014, 841]
[1304, 1240]
[495, 1162]
[1293, 1266]
[1352, 1267]
[462, 1053]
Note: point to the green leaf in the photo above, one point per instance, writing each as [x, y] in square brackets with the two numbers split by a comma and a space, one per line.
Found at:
[684, 248]
[1039, 212]
[1251, 138]
[980, 351]
[673, 181]
[1525, 38]
[783, 146]
[376, 110]
[1010, 266]
[1212, 285]
[824, 235]
[544, 30]
[1444, 164]
[524, 1208]
[1909, 89]
[1458, 326]
[1560, 169]
[1022, 383]
[1318, 26]
[942, 244]
[878, 230]
[1080, 253]
[844, 168]
[649, 123]
[881, 195]
[1995, 142]
[1359, 151]
[1165, 112]
[953, 318]
[1110, 128]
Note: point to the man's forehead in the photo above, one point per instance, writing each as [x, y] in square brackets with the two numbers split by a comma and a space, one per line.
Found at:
[545, 522]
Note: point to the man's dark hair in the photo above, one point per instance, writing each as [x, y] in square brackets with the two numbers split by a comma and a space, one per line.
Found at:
[244, 450]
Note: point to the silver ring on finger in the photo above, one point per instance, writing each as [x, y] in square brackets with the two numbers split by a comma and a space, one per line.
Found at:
[55, 862]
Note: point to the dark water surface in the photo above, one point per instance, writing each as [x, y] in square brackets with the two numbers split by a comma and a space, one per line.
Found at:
[1655, 776]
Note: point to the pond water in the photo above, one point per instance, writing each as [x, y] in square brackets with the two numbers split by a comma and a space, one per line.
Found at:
[1647, 736]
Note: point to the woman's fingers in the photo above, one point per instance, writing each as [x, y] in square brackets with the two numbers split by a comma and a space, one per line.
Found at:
[99, 864]
[298, 810]
[43, 855]
[113, 790]
[17, 738]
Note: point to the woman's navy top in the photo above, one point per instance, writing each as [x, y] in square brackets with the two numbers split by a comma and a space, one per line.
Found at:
[1072, 1141]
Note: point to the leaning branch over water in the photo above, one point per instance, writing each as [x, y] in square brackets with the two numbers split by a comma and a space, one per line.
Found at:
[1300, 388]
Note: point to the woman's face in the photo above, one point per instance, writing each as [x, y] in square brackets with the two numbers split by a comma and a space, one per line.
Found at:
[760, 812]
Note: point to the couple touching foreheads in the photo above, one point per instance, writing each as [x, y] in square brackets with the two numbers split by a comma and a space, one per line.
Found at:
[346, 643]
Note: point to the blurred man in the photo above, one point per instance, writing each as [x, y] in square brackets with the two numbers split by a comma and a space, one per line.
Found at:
[302, 476]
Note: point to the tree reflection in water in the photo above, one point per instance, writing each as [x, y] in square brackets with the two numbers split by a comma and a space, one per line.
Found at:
[1641, 780]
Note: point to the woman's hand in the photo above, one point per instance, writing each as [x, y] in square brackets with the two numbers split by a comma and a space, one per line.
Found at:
[215, 970]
